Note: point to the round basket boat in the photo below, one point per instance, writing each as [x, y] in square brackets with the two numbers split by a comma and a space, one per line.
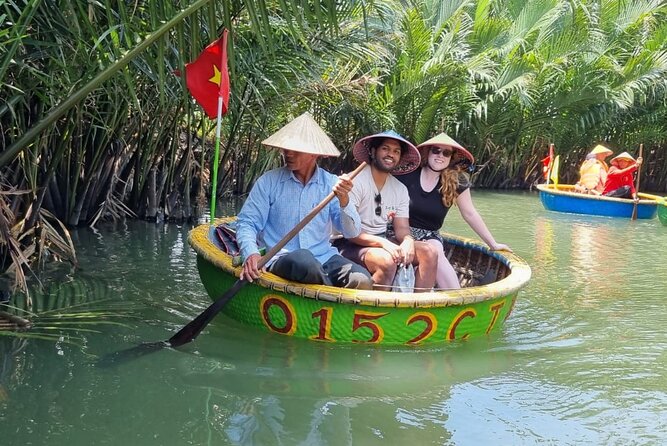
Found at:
[331, 314]
[563, 198]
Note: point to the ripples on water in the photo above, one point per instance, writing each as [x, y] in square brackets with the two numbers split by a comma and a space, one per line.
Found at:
[581, 359]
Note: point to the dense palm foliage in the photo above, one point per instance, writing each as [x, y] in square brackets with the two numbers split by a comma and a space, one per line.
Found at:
[507, 78]
[95, 125]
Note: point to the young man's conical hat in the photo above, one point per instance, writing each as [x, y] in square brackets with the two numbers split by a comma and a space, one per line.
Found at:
[302, 134]
[600, 149]
[410, 158]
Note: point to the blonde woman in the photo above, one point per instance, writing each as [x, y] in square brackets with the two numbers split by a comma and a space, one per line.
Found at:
[434, 188]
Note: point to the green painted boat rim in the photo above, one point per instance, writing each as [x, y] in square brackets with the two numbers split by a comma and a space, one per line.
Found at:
[201, 241]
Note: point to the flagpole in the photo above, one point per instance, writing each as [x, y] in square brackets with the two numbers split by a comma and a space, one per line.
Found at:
[551, 162]
[216, 156]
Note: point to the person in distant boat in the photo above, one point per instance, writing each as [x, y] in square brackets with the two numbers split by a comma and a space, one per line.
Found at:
[434, 188]
[379, 197]
[593, 171]
[620, 181]
[281, 197]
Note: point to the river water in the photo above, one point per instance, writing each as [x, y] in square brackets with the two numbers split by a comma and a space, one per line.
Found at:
[581, 360]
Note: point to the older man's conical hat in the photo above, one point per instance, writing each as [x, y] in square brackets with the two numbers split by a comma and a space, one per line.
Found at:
[600, 149]
[302, 134]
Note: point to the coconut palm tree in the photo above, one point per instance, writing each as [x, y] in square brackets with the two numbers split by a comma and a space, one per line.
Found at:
[507, 78]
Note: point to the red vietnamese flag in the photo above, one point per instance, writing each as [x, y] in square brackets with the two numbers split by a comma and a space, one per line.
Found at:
[207, 77]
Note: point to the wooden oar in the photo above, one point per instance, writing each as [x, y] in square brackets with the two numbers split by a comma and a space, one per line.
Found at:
[639, 172]
[192, 329]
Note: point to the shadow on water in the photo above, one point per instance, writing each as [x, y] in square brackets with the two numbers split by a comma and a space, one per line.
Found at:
[299, 368]
[63, 302]
[272, 389]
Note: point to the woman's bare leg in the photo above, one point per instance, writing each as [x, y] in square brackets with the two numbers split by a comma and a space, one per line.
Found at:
[445, 276]
[425, 262]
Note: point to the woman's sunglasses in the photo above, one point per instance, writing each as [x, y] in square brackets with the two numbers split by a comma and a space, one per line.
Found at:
[438, 151]
[378, 204]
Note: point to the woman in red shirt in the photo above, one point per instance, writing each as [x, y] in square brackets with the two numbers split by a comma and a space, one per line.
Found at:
[620, 181]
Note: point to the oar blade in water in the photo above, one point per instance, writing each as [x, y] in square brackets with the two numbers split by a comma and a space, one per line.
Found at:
[129, 354]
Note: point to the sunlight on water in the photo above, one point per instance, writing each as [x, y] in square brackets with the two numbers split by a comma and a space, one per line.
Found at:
[580, 361]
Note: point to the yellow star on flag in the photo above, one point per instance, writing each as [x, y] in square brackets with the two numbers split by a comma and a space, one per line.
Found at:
[216, 76]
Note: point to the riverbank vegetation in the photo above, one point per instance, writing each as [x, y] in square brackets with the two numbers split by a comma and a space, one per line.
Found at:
[95, 125]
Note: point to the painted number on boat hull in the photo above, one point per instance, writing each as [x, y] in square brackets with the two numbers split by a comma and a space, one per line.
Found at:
[282, 305]
[366, 319]
[279, 316]
[431, 326]
[324, 331]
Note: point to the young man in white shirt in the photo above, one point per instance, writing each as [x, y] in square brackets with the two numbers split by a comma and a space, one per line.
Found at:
[380, 199]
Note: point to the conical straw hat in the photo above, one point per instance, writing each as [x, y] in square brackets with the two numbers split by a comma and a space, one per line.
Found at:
[409, 160]
[302, 134]
[622, 156]
[600, 149]
[443, 140]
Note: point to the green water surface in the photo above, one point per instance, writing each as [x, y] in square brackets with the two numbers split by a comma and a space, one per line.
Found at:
[581, 360]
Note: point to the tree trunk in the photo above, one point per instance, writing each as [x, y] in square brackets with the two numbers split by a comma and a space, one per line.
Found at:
[151, 211]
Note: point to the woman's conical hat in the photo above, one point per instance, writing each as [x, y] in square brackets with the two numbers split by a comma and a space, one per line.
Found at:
[302, 134]
[600, 149]
[443, 140]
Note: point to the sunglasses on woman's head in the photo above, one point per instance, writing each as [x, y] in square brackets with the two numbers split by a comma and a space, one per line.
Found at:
[378, 203]
[438, 151]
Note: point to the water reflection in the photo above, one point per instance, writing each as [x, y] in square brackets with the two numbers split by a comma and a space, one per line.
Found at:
[593, 260]
[9, 348]
[292, 391]
[544, 242]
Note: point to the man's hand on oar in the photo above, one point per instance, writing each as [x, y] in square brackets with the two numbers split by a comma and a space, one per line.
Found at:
[251, 269]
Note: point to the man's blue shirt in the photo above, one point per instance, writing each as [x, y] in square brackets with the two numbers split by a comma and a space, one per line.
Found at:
[279, 201]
